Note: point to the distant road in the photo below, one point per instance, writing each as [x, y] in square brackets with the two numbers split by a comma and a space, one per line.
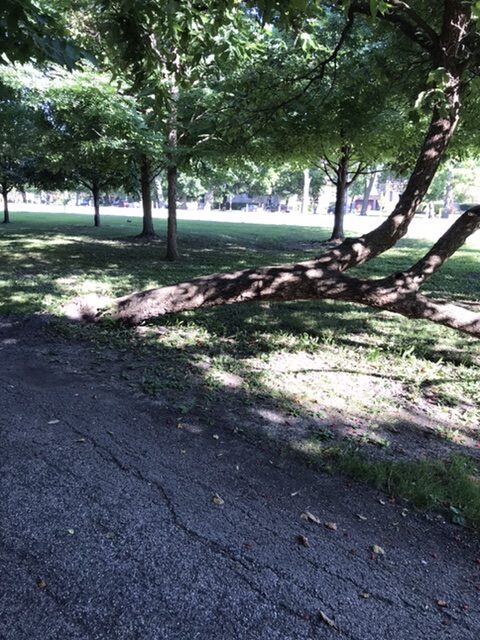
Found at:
[421, 227]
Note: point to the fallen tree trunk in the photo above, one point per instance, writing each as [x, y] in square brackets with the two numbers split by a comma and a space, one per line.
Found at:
[310, 280]
[324, 277]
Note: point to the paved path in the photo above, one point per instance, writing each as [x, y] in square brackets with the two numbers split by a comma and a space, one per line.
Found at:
[108, 528]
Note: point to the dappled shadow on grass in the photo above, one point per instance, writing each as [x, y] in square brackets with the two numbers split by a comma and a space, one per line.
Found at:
[118, 266]
[286, 389]
[314, 378]
[256, 344]
[206, 384]
[75, 253]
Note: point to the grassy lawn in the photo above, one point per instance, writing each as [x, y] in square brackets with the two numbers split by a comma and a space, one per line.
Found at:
[383, 398]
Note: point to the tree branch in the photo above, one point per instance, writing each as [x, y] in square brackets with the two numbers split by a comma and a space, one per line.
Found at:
[443, 249]
[355, 175]
[314, 74]
[408, 21]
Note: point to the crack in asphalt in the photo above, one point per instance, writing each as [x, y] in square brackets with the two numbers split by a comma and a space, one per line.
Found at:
[107, 455]
[272, 579]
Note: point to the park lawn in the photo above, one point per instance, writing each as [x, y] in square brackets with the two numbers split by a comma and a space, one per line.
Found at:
[384, 398]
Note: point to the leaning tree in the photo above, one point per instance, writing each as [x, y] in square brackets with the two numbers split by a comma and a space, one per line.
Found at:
[446, 35]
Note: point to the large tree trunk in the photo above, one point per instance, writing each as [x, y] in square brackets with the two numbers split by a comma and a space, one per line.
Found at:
[357, 251]
[148, 230]
[311, 281]
[341, 195]
[172, 251]
[6, 213]
[96, 204]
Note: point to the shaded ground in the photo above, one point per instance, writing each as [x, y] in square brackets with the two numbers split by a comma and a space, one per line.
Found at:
[306, 373]
[109, 526]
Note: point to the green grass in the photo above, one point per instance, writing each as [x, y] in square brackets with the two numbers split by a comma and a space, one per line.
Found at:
[372, 383]
[452, 487]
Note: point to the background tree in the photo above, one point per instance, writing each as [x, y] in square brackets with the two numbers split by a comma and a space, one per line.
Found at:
[90, 132]
[162, 49]
[448, 40]
[17, 134]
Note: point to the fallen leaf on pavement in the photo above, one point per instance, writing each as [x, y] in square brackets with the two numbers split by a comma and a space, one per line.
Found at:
[216, 499]
[41, 584]
[71, 531]
[53, 421]
[309, 517]
[365, 595]
[327, 620]
[302, 540]
[442, 603]
[360, 517]
[81, 440]
[378, 550]
[331, 525]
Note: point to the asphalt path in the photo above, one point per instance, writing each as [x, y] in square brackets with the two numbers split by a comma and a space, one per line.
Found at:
[117, 524]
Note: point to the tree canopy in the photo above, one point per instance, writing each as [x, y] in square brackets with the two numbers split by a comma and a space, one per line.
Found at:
[343, 85]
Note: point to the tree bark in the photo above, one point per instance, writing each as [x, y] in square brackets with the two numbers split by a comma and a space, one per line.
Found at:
[341, 195]
[172, 251]
[172, 171]
[6, 213]
[367, 192]
[310, 280]
[357, 251]
[148, 230]
[96, 204]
